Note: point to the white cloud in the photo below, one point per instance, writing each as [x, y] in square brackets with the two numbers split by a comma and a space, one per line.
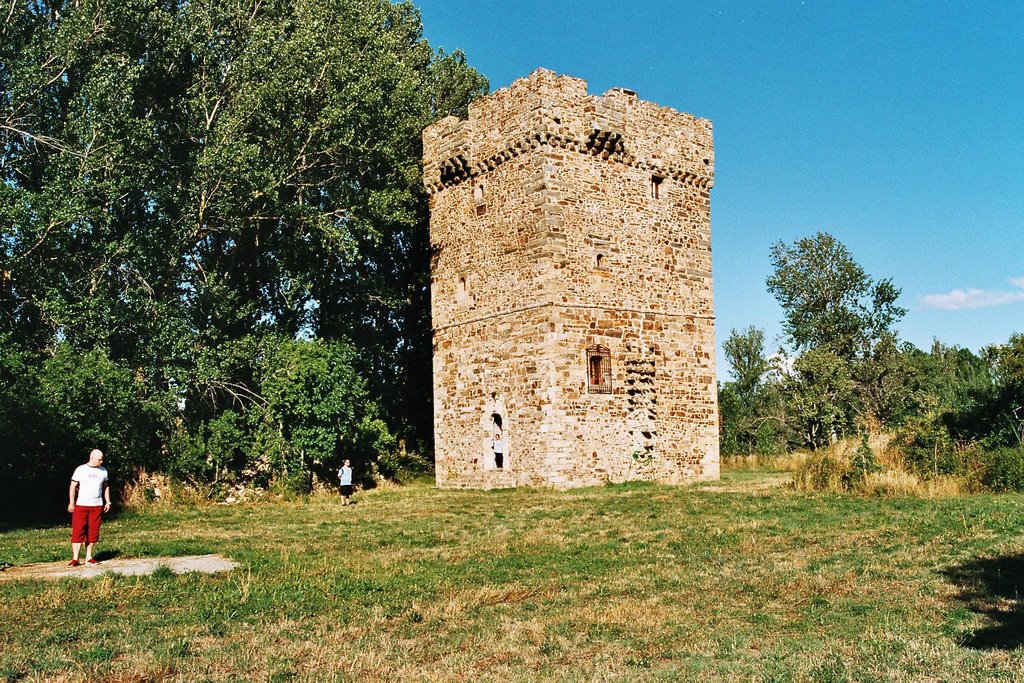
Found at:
[975, 298]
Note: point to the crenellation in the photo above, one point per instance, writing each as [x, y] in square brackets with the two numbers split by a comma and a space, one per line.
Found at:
[571, 289]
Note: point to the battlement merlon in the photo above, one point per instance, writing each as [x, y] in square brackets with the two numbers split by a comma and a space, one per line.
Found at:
[548, 109]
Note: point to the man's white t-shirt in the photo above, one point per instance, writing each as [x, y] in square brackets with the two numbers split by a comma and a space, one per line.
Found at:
[345, 476]
[90, 484]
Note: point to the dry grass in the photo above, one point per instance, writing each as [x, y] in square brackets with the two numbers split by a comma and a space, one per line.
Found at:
[829, 470]
[786, 462]
[899, 482]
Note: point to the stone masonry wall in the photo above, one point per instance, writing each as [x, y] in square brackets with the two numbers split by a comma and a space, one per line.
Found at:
[561, 220]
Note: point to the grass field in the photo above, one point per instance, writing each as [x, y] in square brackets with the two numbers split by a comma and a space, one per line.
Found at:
[738, 580]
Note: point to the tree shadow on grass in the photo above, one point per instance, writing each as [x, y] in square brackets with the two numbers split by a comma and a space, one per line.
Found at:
[994, 588]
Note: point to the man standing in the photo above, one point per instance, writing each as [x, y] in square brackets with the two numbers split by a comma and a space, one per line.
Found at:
[345, 479]
[88, 498]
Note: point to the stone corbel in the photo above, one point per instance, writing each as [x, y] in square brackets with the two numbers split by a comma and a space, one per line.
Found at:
[603, 140]
[455, 169]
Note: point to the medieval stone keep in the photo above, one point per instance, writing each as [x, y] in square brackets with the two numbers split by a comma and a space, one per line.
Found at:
[571, 289]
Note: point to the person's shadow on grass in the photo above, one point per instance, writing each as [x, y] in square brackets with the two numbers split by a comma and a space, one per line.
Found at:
[992, 587]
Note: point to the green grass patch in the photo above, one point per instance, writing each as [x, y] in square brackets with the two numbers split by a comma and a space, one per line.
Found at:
[734, 580]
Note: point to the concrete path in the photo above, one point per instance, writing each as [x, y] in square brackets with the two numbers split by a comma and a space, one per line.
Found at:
[205, 564]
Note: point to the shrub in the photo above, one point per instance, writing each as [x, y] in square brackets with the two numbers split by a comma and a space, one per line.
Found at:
[1004, 469]
[863, 462]
[291, 484]
[927, 447]
[767, 442]
[56, 409]
[217, 448]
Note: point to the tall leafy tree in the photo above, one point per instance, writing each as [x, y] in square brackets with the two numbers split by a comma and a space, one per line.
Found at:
[176, 177]
[828, 300]
[744, 349]
[1006, 409]
[751, 421]
[840, 321]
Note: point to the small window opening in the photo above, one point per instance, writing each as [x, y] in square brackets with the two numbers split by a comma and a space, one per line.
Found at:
[600, 261]
[599, 370]
[479, 201]
[498, 443]
[656, 181]
[462, 295]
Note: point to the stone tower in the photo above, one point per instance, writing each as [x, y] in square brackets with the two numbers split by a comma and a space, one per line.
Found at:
[571, 289]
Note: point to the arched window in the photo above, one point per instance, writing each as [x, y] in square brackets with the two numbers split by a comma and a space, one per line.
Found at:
[479, 201]
[599, 370]
[463, 292]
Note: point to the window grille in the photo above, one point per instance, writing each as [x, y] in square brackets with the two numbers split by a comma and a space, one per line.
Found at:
[599, 370]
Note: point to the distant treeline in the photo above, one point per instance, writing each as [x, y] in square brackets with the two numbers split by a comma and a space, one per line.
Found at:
[844, 372]
[214, 250]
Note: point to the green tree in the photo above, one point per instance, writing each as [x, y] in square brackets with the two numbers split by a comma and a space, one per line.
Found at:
[1009, 362]
[745, 353]
[840, 321]
[748, 404]
[176, 177]
[949, 378]
[1008, 367]
[828, 300]
[313, 398]
[820, 398]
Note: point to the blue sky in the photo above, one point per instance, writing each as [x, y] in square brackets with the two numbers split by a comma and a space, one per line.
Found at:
[897, 127]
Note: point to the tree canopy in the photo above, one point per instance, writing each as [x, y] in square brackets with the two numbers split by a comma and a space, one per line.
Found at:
[829, 302]
[177, 177]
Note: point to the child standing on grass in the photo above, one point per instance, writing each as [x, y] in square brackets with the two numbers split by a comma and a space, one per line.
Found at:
[499, 451]
[345, 479]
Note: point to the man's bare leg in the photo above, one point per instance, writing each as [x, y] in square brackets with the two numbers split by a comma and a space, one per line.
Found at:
[88, 551]
[76, 549]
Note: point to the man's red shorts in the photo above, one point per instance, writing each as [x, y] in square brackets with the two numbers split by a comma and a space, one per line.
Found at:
[85, 523]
